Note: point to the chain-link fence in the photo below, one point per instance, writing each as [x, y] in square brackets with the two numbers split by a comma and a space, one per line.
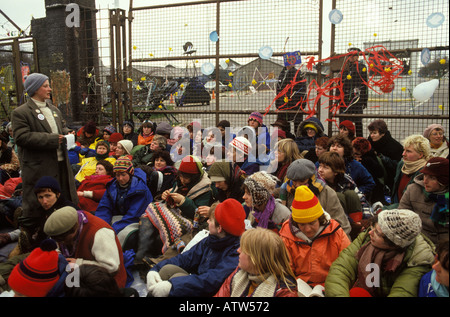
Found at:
[223, 59]
[415, 33]
[177, 49]
[218, 60]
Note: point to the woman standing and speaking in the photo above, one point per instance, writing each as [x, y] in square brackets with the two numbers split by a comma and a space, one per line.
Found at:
[39, 134]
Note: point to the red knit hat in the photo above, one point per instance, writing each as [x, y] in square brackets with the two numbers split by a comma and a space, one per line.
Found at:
[230, 215]
[349, 125]
[281, 134]
[115, 137]
[438, 167]
[189, 165]
[36, 275]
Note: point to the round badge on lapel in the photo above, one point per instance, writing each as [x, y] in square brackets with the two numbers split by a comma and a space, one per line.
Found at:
[41, 116]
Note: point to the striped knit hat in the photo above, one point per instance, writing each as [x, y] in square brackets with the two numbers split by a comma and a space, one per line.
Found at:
[36, 275]
[242, 144]
[305, 207]
[124, 164]
[256, 116]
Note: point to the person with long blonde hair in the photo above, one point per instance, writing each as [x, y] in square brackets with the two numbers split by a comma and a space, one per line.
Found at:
[287, 152]
[263, 270]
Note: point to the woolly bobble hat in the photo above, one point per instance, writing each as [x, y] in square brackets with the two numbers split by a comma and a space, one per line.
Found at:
[256, 116]
[438, 167]
[115, 137]
[300, 170]
[33, 82]
[305, 207]
[124, 164]
[430, 128]
[361, 145]
[47, 182]
[61, 221]
[261, 186]
[110, 129]
[230, 215]
[240, 143]
[190, 165]
[36, 275]
[349, 125]
[127, 145]
[130, 123]
[400, 226]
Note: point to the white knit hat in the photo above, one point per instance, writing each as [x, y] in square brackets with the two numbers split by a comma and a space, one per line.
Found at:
[127, 145]
[242, 144]
[400, 226]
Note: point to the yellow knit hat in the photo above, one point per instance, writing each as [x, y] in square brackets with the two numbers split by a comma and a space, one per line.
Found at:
[310, 125]
[305, 207]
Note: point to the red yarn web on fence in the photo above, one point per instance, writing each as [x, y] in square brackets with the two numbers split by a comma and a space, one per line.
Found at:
[383, 68]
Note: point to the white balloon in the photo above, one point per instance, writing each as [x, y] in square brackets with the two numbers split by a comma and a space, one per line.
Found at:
[424, 91]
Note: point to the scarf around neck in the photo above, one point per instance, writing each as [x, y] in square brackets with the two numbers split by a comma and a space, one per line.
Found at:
[263, 286]
[409, 168]
[387, 261]
[440, 212]
[264, 217]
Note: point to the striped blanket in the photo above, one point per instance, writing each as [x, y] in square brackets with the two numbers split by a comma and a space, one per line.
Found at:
[170, 224]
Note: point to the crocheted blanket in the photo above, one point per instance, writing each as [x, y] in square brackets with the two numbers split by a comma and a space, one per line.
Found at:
[170, 224]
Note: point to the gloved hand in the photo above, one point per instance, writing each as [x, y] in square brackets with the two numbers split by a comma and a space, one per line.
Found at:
[161, 289]
[153, 278]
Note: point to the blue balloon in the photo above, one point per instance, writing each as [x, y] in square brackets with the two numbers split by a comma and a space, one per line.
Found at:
[435, 20]
[213, 36]
[265, 52]
[335, 16]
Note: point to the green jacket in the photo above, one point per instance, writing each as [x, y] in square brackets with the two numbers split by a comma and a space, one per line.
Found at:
[201, 194]
[404, 282]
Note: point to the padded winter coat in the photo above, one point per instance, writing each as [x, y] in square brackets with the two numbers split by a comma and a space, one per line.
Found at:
[134, 202]
[311, 261]
[210, 262]
[404, 282]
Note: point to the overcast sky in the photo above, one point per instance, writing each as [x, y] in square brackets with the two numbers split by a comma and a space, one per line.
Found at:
[21, 11]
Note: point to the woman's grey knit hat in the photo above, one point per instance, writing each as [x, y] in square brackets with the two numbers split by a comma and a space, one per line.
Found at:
[400, 226]
[300, 170]
[33, 82]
